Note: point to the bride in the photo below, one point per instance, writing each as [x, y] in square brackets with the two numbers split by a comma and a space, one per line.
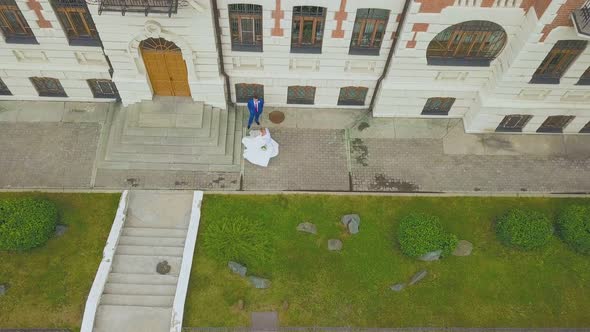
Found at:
[260, 147]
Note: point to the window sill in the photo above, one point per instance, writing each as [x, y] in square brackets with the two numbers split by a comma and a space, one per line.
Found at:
[84, 42]
[21, 40]
[550, 130]
[297, 102]
[434, 113]
[351, 103]
[432, 61]
[246, 48]
[106, 96]
[53, 95]
[309, 50]
[544, 80]
[364, 51]
[508, 130]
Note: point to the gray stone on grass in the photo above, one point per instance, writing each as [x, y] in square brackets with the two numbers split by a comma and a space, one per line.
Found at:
[163, 267]
[307, 227]
[334, 245]
[464, 248]
[60, 230]
[397, 287]
[237, 268]
[3, 289]
[258, 282]
[352, 222]
[431, 256]
[418, 276]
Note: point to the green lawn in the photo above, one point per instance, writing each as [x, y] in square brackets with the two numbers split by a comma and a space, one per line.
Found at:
[48, 285]
[494, 287]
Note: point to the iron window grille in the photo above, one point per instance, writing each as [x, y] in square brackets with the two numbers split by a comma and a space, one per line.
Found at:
[139, 6]
[438, 106]
[559, 59]
[514, 123]
[48, 87]
[307, 31]
[301, 95]
[76, 22]
[586, 129]
[353, 96]
[246, 91]
[4, 91]
[13, 25]
[368, 31]
[245, 22]
[103, 89]
[555, 124]
[585, 78]
[471, 43]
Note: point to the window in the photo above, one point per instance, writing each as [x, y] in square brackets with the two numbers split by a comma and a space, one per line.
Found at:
[48, 87]
[586, 128]
[438, 106]
[103, 89]
[301, 95]
[13, 24]
[561, 56]
[76, 22]
[368, 31]
[353, 95]
[308, 29]
[514, 123]
[247, 91]
[4, 91]
[245, 22]
[585, 79]
[472, 43]
[555, 124]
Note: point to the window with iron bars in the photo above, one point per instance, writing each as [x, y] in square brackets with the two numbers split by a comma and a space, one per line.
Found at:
[585, 78]
[246, 91]
[13, 25]
[368, 31]
[48, 87]
[76, 22]
[514, 123]
[139, 6]
[4, 91]
[555, 124]
[472, 43]
[559, 59]
[307, 31]
[301, 95]
[353, 95]
[103, 89]
[438, 106]
[586, 129]
[245, 22]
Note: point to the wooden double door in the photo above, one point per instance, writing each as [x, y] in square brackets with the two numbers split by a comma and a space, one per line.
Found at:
[165, 67]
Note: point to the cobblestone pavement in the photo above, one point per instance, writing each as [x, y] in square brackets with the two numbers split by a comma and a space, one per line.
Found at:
[148, 179]
[47, 155]
[309, 159]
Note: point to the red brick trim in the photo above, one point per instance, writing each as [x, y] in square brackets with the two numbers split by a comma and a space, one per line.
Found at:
[562, 19]
[36, 7]
[487, 3]
[397, 20]
[539, 5]
[434, 6]
[340, 16]
[418, 27]
[278, 15]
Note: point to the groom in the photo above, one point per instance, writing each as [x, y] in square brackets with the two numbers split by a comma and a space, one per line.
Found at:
[255, 106]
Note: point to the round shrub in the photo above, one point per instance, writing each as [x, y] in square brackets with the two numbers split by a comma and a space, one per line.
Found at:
[524, 229]
[420, 234]
[573, 226]
[26, 223]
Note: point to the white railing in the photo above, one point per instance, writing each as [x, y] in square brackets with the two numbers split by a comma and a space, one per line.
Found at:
[105, 265]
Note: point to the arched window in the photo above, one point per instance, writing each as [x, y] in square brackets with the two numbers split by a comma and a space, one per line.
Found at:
[472, 43]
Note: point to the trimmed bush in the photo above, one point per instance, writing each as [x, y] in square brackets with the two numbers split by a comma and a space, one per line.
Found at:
[26, 223]
[573, 226]
[420, 234]
[524, 229]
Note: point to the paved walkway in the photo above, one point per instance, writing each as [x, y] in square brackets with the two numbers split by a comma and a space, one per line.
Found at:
[320, 150]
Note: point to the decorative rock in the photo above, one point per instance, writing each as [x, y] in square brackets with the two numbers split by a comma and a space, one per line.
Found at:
[352, 222]
[418, 276]
[397, 287]
[163, 267]
[464, 248]
[237, 268]
[285, 305]
[431, 256]
[260, 283]
[60, 230]
[3, 289]
[334, 245]
[307, 227]
[240, 304]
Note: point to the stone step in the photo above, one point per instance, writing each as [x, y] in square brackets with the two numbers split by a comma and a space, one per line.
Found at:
[139, 289]
[169, 158]
[151, 241]
[154, 232]
[150, 250]
[134, 220]
[209, 129]
[115, 318]
[137, 300]
[142, 279]
[144, 264]
[167, 149]
[125, 165]
[155, 115]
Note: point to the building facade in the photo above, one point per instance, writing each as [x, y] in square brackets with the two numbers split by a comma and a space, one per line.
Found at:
[501, 65]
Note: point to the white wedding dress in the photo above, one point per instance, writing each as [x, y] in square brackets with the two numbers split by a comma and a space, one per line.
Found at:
[259, 148]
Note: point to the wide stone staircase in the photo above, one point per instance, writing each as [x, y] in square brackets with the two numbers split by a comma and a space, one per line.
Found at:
[173, 133]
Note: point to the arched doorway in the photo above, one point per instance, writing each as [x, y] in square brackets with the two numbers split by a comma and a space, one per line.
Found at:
[165, 67]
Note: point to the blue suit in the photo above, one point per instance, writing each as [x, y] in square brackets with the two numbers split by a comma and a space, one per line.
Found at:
[252, 109]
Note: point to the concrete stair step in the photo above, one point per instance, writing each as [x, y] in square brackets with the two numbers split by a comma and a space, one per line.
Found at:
[150, 114]
[156, 222]
[142, 279]
[126, 165]
[167, 149]
[139, 289]
[144, 264]
[115, 318]
[163, 301]
[154, 232]
[209, 129]
[150, 250]
[152, 241]
[169, 158]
